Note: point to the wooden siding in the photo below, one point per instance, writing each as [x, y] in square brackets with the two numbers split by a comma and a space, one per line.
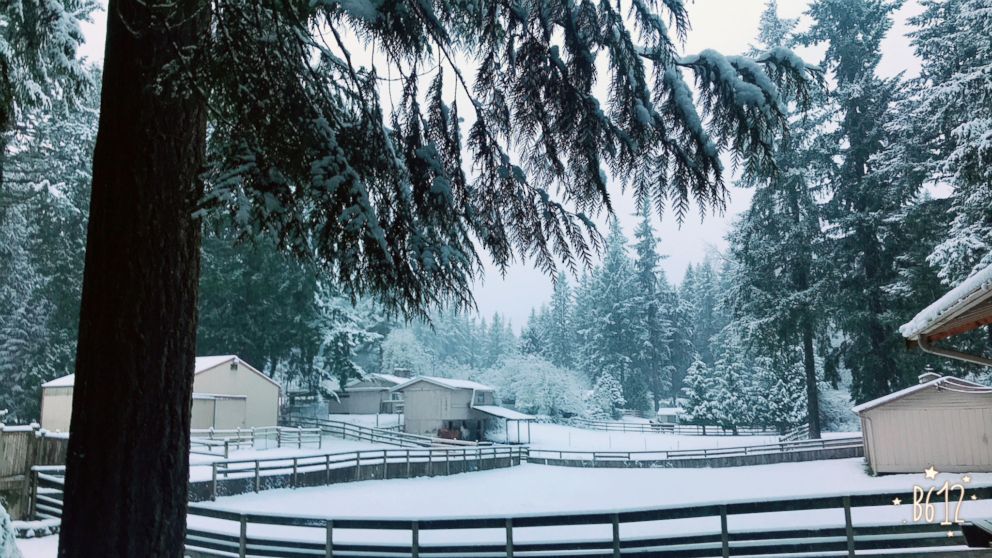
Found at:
[947, 429]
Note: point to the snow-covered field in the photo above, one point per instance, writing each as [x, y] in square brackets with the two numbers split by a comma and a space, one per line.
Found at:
[554, 436]
[200, 464]
[536, 489]
[372, 421]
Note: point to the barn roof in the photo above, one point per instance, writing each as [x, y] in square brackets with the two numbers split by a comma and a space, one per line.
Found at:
[202, 364]
[948, 383]
[450, 383]
[964, 308]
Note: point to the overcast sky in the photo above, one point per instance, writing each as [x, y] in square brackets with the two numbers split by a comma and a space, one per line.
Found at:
[728, 26]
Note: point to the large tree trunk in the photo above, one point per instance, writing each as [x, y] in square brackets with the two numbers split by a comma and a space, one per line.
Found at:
[812, 388]
[127, 476]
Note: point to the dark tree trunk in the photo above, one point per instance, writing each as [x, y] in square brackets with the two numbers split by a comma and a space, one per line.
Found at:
[127, 476]
[812, 391]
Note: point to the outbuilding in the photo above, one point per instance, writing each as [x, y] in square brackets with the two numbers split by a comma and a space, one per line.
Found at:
[453, 408]
[227, 393]
[943, 422]
[369, 395]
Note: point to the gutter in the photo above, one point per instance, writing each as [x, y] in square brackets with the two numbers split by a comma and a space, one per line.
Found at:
[927, 347]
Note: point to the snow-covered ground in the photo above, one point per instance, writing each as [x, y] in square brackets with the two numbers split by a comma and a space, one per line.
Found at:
[536, 489]
[372, 421]
[200, 464]
[557, 437]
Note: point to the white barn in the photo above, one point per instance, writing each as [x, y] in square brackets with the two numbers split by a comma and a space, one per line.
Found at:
[227, 393]
[944, 422]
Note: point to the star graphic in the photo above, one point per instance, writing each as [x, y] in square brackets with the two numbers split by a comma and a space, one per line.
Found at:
[896, 502]
[966, 479]
[930, 473]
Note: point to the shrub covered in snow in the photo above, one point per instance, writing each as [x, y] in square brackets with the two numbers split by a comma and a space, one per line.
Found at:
[7, 547]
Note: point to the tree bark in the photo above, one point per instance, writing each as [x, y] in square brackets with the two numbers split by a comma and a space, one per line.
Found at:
[127, 467]
[812, 388]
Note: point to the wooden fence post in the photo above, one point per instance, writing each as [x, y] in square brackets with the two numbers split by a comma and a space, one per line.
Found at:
[243, 538]
[295, 461]
[509, 537]
[415, 540]
[848, 526]
[213, 481]
[724, 533]
[258, 479]
[616, 535]
[329, 546]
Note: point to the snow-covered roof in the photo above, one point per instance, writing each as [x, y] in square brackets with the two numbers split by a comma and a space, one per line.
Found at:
[670, 411]
[64, 381]
[215, 396]
[503, 412]
[450, 383]
[949, 383]
[385, 378]
[202, 364]
[963, 308]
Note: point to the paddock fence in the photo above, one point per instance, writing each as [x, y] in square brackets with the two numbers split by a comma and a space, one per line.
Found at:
[220, 442]
[682, 429]
[782, 452]
[351, 431]
[21, 447]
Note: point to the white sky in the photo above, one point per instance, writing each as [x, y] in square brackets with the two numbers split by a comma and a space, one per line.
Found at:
[728, 26]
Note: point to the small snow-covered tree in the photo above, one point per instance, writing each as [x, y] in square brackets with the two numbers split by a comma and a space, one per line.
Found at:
[606, 398]
[8, 546]
[700, 391]
[537, 386]
[402, 349]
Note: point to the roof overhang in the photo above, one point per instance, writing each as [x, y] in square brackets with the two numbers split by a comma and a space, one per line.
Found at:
[964, 308]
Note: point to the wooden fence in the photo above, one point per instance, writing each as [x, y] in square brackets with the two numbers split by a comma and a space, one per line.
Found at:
[803, 450]
[22, 447]
[220, 442]
[684, 429]
[351, 431]
[216, 532]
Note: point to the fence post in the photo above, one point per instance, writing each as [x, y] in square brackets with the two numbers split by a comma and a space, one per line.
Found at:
[243, 538]
[509, 537]
[358, 465]
[258, 479]
[295, 461]
[329, 547]
[327, 465]
[299, 437]
[415, 539]
[278, 438]
[447, 462]
[724, 533]
[616, 535]
[408, 471]
[848, 526]
[213, 481]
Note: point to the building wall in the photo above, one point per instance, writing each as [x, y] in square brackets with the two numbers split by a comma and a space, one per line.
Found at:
[231, 413]
[951, 431]
[56, 408]
[263, 395]
[427, 407]
[358, 402]
[203, 413]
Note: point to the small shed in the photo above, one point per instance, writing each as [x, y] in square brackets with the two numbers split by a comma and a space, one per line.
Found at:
[452, 408]
[370, 395]
[943, 421]
[669, 415]
[227, 393]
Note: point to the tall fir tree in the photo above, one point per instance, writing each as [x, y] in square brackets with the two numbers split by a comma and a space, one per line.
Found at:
[860, 199]
[653, 356]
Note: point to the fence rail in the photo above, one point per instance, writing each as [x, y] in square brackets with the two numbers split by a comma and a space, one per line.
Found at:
[704, 453]
[351, 431]
[216, 532]
[241, 537]
[684, 429]
[219, 442]
[800, 432]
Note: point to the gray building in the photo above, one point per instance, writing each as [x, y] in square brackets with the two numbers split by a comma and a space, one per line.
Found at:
[450, 408]
[368, 396]
[943, 422]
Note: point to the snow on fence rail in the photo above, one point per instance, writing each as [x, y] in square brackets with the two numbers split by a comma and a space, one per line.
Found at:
[582, 458]
[684, 429]
[216, 532]
[218, 442]
[800, 432]
[351, 431]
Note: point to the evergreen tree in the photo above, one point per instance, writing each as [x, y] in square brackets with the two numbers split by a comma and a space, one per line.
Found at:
[532, 337]
[559, 332]
[775, 246]
[607, 399]
[701, 290]
[653, 357]
[861, 200]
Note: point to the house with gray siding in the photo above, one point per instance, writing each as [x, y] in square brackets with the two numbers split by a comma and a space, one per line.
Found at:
[370, 395]
[451, 408]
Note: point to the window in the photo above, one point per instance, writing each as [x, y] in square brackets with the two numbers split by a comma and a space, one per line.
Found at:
[480, 398]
